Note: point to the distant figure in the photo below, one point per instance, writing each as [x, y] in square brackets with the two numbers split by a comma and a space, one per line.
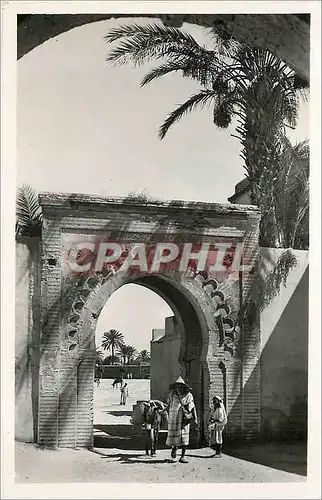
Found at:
[217, 422]
[124, 394]
[130, 375]
[116, 382]
[182, 412]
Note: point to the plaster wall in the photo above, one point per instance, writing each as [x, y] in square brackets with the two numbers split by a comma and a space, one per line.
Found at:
[284, 356]
[165, 367]
[27, 353]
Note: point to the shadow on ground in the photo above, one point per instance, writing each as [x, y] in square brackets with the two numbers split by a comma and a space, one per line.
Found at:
[120, 413]
[131, 458]
[123, 437]
[288, 457]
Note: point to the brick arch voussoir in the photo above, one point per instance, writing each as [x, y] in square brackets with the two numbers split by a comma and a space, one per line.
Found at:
[189, 287]
[225, 321]
[91, 293]
[92, 297]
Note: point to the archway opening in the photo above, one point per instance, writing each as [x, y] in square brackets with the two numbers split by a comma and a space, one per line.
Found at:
[152, 316]
[131, 319]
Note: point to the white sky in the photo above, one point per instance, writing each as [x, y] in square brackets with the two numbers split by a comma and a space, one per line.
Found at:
[86, 126]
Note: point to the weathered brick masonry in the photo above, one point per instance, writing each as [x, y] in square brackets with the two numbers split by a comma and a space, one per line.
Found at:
[217, 356]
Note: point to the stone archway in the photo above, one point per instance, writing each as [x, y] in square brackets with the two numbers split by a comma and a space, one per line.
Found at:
[217, 356]
[77, 347]
[286, 35]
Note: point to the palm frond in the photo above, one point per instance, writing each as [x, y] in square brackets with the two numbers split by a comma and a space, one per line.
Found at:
[162, 70]
[150, 31]
[141, 43]
[28, 212]
[253, 85]
[195, 100]
[198, 67]
[291, 193]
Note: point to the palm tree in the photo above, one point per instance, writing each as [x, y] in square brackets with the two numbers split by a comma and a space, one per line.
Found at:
[143, 357]
[127, 352]
[112, 340]
[246, 84]
[241, 82]
[28, 212]
[123, 351]
[285, 214]
[131, 351]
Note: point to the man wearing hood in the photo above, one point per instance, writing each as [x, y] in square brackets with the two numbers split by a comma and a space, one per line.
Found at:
[182, 411]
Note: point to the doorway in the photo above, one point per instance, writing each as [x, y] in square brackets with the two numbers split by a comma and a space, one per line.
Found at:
[182, 328]
[133, 319]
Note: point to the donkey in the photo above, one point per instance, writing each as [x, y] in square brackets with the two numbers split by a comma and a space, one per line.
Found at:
[152, 423]
[116, 382]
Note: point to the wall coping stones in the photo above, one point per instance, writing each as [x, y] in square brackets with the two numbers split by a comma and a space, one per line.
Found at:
[85, 203]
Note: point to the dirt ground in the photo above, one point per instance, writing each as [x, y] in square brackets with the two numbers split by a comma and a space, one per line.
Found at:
[118, 455]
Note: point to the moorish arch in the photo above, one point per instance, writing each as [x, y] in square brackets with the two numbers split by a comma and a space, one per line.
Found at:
[218, 353]
[285, 35]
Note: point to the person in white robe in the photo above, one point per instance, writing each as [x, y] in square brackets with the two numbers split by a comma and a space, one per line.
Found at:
[217, 423]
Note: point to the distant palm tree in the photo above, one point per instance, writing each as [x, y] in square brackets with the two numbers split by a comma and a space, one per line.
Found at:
[112, 340]
[127, 352]
[143, 357]
[131, 351]
[28, 212]
[123, 351]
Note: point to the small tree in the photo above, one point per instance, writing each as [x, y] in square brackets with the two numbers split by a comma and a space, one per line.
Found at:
[143, 357]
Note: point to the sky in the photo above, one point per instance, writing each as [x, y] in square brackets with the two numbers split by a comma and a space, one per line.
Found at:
[86, 126]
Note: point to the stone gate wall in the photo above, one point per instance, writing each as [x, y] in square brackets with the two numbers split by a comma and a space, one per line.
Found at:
[69, 313]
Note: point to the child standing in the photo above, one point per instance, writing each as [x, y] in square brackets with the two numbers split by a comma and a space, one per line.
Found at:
[217, 423]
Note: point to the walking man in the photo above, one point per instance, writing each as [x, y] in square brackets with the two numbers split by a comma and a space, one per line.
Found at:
[182, 412]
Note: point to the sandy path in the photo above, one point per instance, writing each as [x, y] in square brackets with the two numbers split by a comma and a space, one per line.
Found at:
[117, 456]
[114, 465]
